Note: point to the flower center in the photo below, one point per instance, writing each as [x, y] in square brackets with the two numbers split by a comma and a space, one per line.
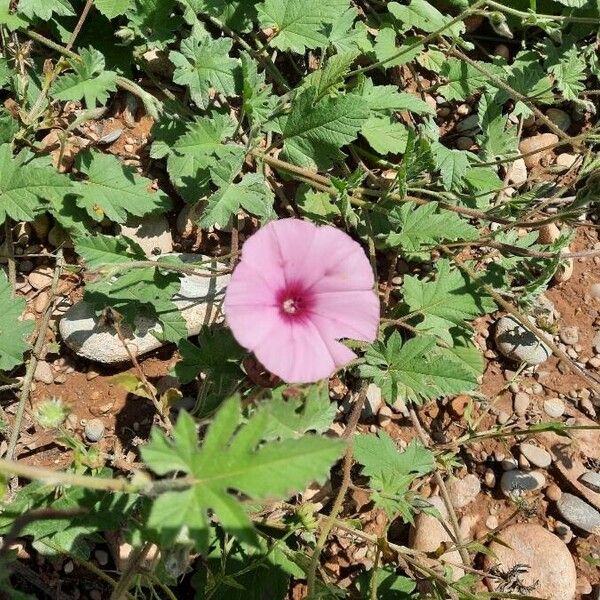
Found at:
[294, 302]
[290, 306]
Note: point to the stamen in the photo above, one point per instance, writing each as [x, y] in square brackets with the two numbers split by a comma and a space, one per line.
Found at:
[290, 306]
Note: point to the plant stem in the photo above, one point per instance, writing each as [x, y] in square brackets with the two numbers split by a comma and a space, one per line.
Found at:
[124, 583]
[82, 18]
[525, 15]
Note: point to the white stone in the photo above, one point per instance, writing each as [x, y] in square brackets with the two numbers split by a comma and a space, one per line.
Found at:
[516, 483]
[197, 301]
[535, 455]
[519, 344]
[463, 491]
[43, 373]
[516, 173]
[152, 233]
[554, 407]
[579, 513]
[566, 160]
[551, 568]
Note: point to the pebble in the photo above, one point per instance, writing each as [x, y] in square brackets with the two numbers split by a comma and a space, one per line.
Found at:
[463, 491]
[428, 534]
[587, 406]
[521, 403]
[595, 290]
[491, 522]
[553, 492]
[569, 335]
[551, 571]
[518, 344]
[196, 300]
[101, 557]
[566, 160]
[516, 482]
[537, 388]
[373, 401]
[384, 416]
[43, 373]
[516, 174]
[153, 234]
[464, 142]
[503, 417]
[579, 513]
[94, 430]
[591, 479]
[489, 479]
[509, 463]
[468, 124]
[554, 407]
[563, 531]
[503, 51]
[537, 142]
[535, 455]
[41, 302]
[69, 567]
[41, 278]
[559, 117]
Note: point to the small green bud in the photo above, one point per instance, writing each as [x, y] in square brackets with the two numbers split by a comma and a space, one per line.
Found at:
[51, 413]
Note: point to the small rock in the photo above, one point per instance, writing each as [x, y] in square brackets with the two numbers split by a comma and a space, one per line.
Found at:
[519, 344]
[428, 534]
[563, 531]
[595, 290]
[569, 335]
[153, 234]
[587, 406]
[489, 479]
[591, 479]
[91, 374]
[503, 51]
[101, 557]
[41, 302]
[464, 142]
[491, 522]
[566, 160]
[517, 483]
[551, 571]
[41, 278]
[559, 117]
[509, 463]
[459, 405]
[554, 407]
[579, 513]
[535, 455]
[43, 373]
[536, 143]
[373, 401]
[463, 491]
[69, 567]
[384, 416]
[196, 300]
[94, 430]
[553, 492]
[516, 174]
[521, 403]
[565, 270]
[468, 124]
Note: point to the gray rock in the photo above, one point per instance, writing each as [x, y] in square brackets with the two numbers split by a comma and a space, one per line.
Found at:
[535, 455]
[516, 482]
[463, 491]
[43, 373]
[579, 513]
[94, 430]
[153, 234]
[521, 403]
[591, 479]
[516, 174]
[197, 301]
[551, 570]
[569, 335]
[554, 407]
[559, 117]
[469, 124]
[518, 344]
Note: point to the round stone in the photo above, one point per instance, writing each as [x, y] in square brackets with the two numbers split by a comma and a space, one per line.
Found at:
[535, 145]
[516, 483]
[463, 491]
[518, 344]
[569, 335]
[521, 403]
[94, 430]
[595, 290]
[559, 117]
[41, 278]
[551, 570]
[553, 492]
[554, 407]
[579, 513]
[535, 455]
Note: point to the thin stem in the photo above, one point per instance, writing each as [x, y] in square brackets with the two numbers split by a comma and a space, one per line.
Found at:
[525, 15]
[82, 18]
[125, 582]
[8, 240]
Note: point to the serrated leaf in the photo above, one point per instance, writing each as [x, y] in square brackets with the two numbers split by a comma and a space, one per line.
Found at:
[420, 14]
[257, 96]
[9, 18]
[387, 99]
[114, 190]
[307, 411]
[13, 331]
[230, 458]
[452, 165]
[496, 139]
[299, 24]
[90, 80]
[44, 9]
[204, 63]
[237, 14]
[330, 76]
[387, 52]
[154, 21]
[112, 8]
[25, 184]
[385, 135]
[100, 250]
[317, 206]
[314, 133]
[418, 226]
[414, 370]
[445, 302]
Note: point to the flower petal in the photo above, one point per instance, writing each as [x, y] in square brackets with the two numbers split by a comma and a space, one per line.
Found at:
[352, 315]
[252, 324]
[246, 287]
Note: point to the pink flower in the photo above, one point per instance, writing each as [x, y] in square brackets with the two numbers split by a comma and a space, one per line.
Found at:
[297, 290]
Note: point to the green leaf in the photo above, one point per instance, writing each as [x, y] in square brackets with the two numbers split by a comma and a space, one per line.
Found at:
[330, 76]
[13, 331]
[414, 370]
[299, 24]
[231, 458]
[497, 139]
[452, 165]
[9, 18]
[314, 133]
[90, 80]
[317, 206]
[387, 99]
[24, 184]
[390, 471]
[391, 55]
[44, 9]
[427, 225]
[112, 8]
[385, 135]
[204, 63]
[237, 14]
[114, 190]
[422, 15]
[569, 71]
[100, 250]
[448, 301]
[154, 21]
[250, 193]
[307, 410]
[258, 99]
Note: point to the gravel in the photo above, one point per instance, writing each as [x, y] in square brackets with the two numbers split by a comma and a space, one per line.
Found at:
[569, 335]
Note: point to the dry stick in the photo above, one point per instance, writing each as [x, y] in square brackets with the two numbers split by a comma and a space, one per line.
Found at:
[12, 271]
[122, 587]
[33, 360]
[82, 18]
[464, 555]
[339, 499]
[523, 321]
